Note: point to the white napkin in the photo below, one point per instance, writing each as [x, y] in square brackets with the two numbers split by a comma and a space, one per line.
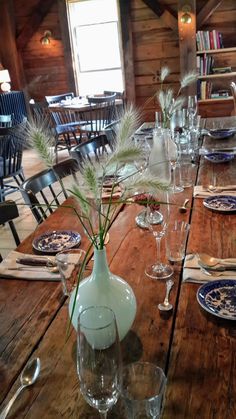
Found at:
[201, 192]
[32, 273]
[192, 272]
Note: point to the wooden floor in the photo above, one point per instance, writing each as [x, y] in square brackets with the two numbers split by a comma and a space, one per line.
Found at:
[26, 223]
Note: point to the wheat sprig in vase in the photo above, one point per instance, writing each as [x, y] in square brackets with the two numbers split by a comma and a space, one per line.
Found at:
[102, 287]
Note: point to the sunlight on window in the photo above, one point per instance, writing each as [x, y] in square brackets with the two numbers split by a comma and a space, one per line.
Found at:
[105, 54]
[96, 45]
[109, 80]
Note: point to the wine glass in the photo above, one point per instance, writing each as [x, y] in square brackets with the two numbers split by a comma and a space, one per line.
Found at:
[99, 358]
[192, 108]
[158, 270]
[177, 123]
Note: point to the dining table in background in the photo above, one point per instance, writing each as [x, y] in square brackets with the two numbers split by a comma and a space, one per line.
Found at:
[196, 349]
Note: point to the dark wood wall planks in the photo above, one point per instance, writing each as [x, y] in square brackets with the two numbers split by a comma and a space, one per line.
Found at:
[154, 44]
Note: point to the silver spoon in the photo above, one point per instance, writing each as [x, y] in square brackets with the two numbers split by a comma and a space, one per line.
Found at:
[220, 189]
[183, 209]
[210, 261]
[166, 306]
[28, 377]
[216, 273]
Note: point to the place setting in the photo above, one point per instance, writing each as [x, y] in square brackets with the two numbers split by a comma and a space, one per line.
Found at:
[201, 268]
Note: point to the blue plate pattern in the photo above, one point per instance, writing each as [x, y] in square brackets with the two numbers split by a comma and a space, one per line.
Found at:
[219, 157]
[222, 203]
[56, 241]
[219, 298]
[222, 133]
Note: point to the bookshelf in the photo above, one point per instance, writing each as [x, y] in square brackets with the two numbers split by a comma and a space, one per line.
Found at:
[216, 76]
[216, 65]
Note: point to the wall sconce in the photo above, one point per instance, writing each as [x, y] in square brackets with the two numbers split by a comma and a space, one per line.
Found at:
[45, 40]
[5, 81]
[186, 17]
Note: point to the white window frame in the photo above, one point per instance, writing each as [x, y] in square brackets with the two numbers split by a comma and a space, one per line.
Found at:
[75, 58]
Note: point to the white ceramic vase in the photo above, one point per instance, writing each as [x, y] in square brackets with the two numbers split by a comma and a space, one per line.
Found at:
[102, 288]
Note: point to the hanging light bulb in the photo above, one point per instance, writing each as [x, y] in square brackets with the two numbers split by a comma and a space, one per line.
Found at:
[45, 40]
[186, 16]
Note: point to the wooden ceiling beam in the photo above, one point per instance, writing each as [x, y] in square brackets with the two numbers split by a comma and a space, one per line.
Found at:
[33, 23]
[207, 11]
[163, 13]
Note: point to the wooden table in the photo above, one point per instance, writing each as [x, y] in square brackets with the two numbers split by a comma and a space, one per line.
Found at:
[196, 350]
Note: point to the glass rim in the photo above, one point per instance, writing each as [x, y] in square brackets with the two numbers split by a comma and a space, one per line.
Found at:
[70, 250]
[101, 327]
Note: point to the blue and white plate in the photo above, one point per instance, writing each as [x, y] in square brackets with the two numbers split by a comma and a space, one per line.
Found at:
[56, 241]
[219, 298]
[147, 130]
[222, 203]
[219, 157]
[221, 133]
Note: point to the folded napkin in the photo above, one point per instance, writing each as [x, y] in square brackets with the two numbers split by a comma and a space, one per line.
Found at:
[35, 273]
[201, 192]
[193, 273]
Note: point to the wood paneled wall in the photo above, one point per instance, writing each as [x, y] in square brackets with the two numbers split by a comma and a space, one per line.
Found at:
[154, 45]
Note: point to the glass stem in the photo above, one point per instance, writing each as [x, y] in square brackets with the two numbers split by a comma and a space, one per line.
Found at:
[158, 242]
[174, 177]
[103, 415]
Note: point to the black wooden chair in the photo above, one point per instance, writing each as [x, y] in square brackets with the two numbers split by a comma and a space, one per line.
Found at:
[101, 113]
[58, 123]
[11, 152]
[8, 212]
[58, 98]
[91, 150]
[110, 131]
[39, 190]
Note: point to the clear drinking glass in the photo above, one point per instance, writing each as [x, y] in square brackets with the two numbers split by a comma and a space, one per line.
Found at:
[69, 263]
[158, 270]
[176, 238]
[173, 156]
[99, 358]
[143, 390]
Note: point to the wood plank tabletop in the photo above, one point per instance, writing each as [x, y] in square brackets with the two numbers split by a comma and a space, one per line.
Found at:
[196, 350]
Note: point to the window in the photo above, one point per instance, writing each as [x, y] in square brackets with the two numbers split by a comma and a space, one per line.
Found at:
[96, 45]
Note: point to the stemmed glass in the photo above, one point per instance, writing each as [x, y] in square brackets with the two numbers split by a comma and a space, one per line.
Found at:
[158, 270]
[99, 358]
[192, 109]
[142, 165]
[177, 123]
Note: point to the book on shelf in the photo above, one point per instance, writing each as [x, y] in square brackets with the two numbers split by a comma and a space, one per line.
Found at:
[204, 89]
[209, 40]
[220, 94]
[205, 64]
[221, 70]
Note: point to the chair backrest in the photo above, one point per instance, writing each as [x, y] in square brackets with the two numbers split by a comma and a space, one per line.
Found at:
[233, 90]
[5, 121]
[11, 150]
[8, 212]
[110, 132]
[91, 150]
[62, 116]
[39, 109]
[102, 112]
[39, 191]
[59, 98]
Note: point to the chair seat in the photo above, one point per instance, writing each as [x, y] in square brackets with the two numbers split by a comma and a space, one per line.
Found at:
[70, 127]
